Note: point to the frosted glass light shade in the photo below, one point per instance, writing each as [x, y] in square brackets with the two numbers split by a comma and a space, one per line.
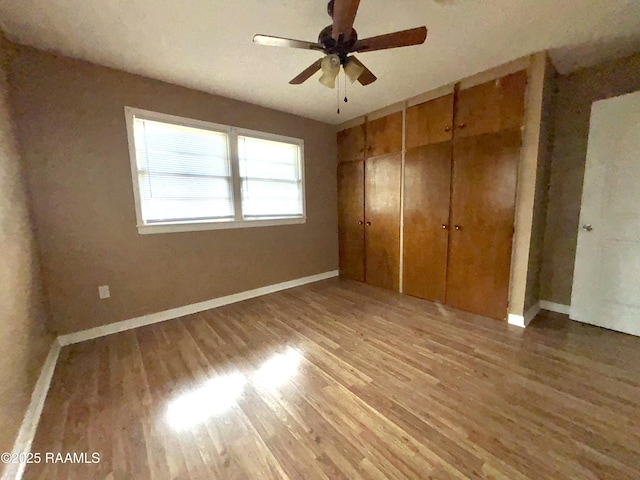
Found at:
[353, 70]
[330, 69]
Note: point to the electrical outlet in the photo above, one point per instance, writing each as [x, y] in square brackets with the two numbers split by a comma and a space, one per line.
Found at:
[103, 292]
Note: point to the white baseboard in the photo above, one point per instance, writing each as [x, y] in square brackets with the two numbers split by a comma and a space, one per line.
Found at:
[22, 445]
[555, 307]
[31, 419]
[157, 317]
[516, 320]
[524, 320]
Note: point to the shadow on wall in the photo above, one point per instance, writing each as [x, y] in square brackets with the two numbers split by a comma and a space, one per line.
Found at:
[24, 340]
[571, 58]
[571, 114]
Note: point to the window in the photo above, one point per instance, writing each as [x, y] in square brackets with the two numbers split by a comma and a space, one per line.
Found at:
[194, 175]
[271, 178]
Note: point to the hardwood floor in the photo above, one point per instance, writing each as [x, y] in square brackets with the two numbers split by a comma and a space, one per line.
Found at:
[342, 380]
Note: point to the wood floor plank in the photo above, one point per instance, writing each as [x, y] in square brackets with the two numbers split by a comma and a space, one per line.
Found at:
[339, 379]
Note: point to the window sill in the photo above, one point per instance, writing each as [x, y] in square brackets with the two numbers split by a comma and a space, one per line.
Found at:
[201, 226]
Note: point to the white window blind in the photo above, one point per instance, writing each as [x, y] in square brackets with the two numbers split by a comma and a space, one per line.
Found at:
[195, 175]
[184, 173]
[271, 178]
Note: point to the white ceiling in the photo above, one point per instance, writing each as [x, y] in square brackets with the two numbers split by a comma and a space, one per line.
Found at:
[207, 44]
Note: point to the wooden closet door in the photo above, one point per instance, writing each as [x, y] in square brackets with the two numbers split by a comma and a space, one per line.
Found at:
[384, 135]
[429, 122]
[351, 144]
[351, 219]
[482, 218]
[382, 215]
[427, 182]
[492, 106]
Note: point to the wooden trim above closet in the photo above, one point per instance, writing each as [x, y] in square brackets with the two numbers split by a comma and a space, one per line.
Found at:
[354, 122]
[385, 111]
[431, 95]
[522, 63]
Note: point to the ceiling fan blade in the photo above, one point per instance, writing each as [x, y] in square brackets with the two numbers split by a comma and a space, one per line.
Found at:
[307, 73]
[367, 77]
[285, 42]
[405, 38]
[344, 14]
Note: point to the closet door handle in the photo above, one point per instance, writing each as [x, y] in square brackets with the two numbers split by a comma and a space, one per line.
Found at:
[360, 222]
[447, 129]
[445, 227]
[462, 125]
[458, 227]
[368, 224]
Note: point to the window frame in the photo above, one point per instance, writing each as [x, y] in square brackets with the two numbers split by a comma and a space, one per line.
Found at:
[232, 147]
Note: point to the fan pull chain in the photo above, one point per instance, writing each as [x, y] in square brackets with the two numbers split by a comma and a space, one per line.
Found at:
[338, 93]
[345, 88]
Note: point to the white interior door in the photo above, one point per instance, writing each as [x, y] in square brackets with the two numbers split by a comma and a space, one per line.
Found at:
[606, 282]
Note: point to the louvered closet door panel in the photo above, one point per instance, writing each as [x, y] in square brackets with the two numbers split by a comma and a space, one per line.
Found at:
[492, 106]
[351, 219]
[382, 215]
[384, 135]
[429, 122]
[427, 181]
[483, 207]
[351, 144]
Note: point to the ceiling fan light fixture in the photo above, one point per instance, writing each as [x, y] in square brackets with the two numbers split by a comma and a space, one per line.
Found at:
[339, 40]
[330, 67]
[353, 70]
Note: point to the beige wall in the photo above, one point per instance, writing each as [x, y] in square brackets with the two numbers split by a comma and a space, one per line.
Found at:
[528, 168]
[24, 341]
[576, 93]
[71, 122]
[543, 173]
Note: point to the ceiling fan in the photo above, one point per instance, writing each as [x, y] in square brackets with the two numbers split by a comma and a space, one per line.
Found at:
[338, 41]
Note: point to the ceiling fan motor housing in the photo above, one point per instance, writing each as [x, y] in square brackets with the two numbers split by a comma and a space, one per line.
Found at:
[341, 47]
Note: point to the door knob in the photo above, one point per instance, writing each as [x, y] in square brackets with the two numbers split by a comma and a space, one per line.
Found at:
[587, 227]
[359, 222]
[458, 227]
[444, 227]
[462, 125]
[368, 224]
[447, 129]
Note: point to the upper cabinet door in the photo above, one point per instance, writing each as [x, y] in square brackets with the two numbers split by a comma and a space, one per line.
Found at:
[491, 107]
[351, 144]
[384, 135]
[430, 122]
